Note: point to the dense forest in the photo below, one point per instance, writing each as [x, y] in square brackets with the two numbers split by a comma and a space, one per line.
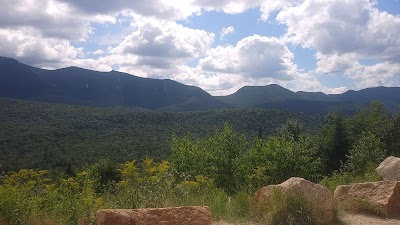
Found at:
[48, 135]
[220, 167]
[214, 158]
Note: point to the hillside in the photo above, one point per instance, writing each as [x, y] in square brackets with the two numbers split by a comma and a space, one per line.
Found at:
[34, 134]
[275, 96]
[74, 85]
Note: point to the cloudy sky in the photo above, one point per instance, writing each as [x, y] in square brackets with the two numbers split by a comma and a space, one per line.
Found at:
[220, 46]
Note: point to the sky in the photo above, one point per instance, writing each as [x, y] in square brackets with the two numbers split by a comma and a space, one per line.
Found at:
[220, 46]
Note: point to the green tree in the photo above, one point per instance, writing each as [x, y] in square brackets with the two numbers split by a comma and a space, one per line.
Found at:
[333, 142]
[372, 119]
[368, 150]
[392, 140]
[277, 159]
[216, 156]
[292, 128]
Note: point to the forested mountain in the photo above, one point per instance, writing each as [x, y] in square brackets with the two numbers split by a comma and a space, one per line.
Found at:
[74, 85]
[275, 96]
[48, 135]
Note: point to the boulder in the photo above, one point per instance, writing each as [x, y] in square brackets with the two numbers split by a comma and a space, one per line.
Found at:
[384, 194]
[195, 215]
[322, 199]
[389, 169]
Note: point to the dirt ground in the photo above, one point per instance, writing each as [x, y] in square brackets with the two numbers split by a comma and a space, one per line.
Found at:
[347, 219]
[355, 219]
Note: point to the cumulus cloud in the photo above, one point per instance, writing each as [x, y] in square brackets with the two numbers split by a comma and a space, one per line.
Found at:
[379, 74]
[344, 33]
[255, 56]
[334, 63]
[269, 6]
[163, 9]
[159, 43]
[225, 31]
[27, 46]
[49, 18]
[341, 27]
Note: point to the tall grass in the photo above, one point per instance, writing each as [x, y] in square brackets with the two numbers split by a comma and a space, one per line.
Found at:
[286, 209]
[344, 177]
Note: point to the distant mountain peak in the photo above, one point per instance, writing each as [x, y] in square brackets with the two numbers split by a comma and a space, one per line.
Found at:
[71, 86]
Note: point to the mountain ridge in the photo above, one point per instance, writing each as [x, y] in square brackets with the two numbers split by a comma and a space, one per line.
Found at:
[74, 85]
[275, 96]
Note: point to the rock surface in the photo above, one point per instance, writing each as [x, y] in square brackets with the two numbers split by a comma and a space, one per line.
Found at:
[389, 169]
[323, 200]
[195, 215]
[384, 194]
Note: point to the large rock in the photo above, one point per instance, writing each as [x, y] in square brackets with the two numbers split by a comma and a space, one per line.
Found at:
[322, 199]
[158, 216]
[389, 169]
[384, 194]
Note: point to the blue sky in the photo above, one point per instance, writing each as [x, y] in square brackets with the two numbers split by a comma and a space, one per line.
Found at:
[220, 46]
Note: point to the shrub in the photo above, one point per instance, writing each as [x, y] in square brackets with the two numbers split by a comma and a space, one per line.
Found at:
[281, 209]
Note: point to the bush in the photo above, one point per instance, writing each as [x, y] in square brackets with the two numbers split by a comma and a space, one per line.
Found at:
[277, 159]
[281, 209]
[368, 149]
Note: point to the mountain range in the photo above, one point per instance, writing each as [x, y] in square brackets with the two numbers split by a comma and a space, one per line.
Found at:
[73, 85]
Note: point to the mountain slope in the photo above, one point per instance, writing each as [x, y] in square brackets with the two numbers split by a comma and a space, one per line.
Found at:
[255, 96]
[274, 96]
[74, 85]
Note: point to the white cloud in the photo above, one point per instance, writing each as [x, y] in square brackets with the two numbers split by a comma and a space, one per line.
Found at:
[344, 34]
[225, 31]
[269, 6]
[228, 6]
[162, 9]
[255, 56]
[341, 27]
[334, 63]
[97, 52]
[27, 46]
[379, 74]
[49, 18]
[162, 44]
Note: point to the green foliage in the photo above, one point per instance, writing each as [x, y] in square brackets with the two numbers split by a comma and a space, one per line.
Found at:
[392, 140]
[18, 193]
[367, 150]
[333, 143]
[106, 173]
[226, 158]
[49, 135]
[344, 177]
[220, 169]
[147, 186]
[277, 159]
[373, 119]
[292, 128]
[215, 157]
